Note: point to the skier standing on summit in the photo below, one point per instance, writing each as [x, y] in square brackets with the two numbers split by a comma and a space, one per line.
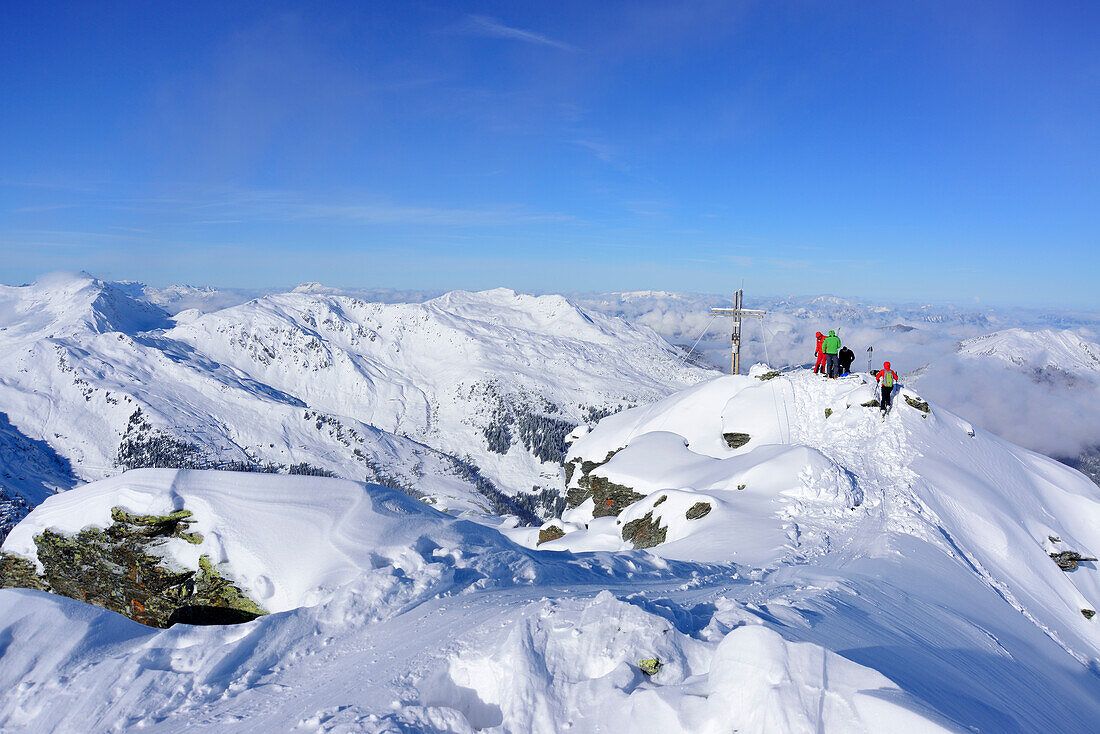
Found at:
[831, 347]
[886, 377]
[819, 366]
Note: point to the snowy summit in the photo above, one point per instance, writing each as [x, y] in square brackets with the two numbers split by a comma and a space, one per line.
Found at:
[760, 553]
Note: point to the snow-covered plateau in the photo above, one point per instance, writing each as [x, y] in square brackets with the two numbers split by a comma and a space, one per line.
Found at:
[809, 566]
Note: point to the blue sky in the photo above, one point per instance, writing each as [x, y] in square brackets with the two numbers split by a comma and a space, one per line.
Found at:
[910, 150]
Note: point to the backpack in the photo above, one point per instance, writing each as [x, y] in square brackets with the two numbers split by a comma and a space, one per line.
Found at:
[887, 378]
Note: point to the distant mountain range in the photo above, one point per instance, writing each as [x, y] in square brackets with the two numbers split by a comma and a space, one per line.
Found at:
[464, 399]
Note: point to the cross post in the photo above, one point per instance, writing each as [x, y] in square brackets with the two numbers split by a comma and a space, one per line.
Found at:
[737, 313]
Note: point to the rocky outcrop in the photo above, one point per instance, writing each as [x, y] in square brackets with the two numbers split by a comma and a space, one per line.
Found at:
[550, 532]
[1068, 560]
[917, 404]
[736, 440]
[118, 568]
[698, 510]
[645, 532]
[608, 497]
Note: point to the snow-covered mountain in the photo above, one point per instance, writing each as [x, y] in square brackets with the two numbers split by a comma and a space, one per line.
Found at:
[1038, 388]
[957, 355]
[810, 567]
[456, 399]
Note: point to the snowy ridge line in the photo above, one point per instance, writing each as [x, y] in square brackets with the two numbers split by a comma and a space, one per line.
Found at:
[388, 392]
[962, 495]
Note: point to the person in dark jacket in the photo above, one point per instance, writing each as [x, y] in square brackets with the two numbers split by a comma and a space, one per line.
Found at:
[846, 356]
[886, 378]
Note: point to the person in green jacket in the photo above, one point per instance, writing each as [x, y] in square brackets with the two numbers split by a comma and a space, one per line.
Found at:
[831, 346]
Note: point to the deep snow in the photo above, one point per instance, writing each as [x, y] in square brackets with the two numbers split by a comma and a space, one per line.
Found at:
[871, 576]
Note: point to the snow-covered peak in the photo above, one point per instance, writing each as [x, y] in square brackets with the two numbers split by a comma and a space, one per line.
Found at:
[313, 287]
[1062, 349]
[65, 304]
[790, 467]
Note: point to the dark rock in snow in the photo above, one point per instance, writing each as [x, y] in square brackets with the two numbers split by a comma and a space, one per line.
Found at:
[1068, 560]
[736, 440]
[1089, 613]
[645, 532]
[610, 498]
[698, 510]
[118, 569]
[918, 404]
[550, 532]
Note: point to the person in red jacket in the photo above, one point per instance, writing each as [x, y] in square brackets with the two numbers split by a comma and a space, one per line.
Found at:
[819, 366]
[886, 378]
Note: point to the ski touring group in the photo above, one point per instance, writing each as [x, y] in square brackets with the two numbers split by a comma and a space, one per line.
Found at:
[835, 360]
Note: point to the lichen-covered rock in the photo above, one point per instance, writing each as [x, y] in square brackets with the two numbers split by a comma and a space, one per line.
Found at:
[609, 498]
[918, 404]
[1088, 613]
[550, 532]
[698, 510]
[18, 573]
[118, 568]
[874, 403]
[645, 532]
[1068, 560]
[650, 666]
[736, 440]
[828, 412]
[768, 376]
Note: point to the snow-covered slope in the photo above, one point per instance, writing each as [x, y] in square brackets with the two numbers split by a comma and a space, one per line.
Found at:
[851, 574]
[419, 623]
[868, 504]
[417, 396]
[1038, 388]
[497, 376]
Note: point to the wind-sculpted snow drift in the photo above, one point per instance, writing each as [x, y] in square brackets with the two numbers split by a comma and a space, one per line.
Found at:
[851, 575]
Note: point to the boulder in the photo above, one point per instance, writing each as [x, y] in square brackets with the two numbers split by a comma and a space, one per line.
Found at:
[118, 568]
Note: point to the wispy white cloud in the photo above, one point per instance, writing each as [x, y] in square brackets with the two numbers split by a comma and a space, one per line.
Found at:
[483, 25]
[201, 205]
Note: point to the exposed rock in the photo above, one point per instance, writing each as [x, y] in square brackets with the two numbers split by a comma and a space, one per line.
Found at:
[550, 532]
[18, 573]
[828, 412]
[874, 403]
[609, 498]
[736, 440]
[1068, 560]
[918, 404]
[645, 532]
[1089, 613]
[662, 498]
[768, 376]
[118, 569]
[698, 510]
[650, 666]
